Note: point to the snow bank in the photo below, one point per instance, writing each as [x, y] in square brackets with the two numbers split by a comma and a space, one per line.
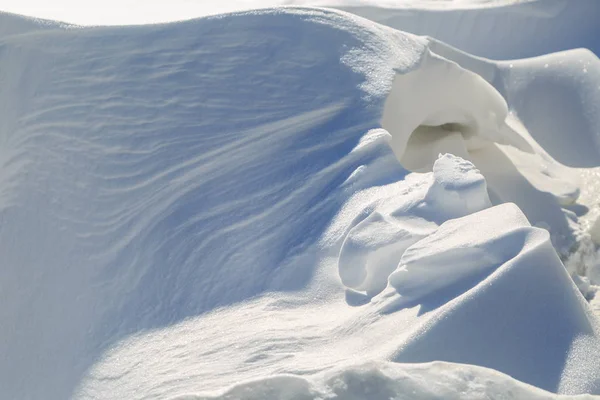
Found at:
[185, 207]
[154, 174]
[502, 30]
[498, 29]
[508, 264]
[382, 381]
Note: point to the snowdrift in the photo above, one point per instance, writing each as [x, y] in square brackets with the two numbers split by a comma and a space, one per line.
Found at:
[506, 259]
[497, 29]
[384, 381]
[261, 197]
[494, 29]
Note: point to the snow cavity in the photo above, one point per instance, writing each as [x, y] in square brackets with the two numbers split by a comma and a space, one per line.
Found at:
[442, 107]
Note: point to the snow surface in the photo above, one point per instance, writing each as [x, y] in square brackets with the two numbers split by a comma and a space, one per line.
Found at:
[500, 29]
[382, 381]
[298, 203]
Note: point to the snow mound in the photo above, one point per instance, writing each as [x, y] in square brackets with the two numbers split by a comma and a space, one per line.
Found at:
[372, 248]
[502, 30]
[188, 206]
[508, 264]
[383, 381]
[156, 185]
[556, 97]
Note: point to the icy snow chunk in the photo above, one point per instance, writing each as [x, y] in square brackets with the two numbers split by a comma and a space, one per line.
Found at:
[458, 187]
[458, 252]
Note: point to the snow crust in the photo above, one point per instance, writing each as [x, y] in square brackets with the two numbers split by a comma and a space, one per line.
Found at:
[387, 380]
[293, 203]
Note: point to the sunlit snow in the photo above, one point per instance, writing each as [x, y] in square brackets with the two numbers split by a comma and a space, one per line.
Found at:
[300, 203]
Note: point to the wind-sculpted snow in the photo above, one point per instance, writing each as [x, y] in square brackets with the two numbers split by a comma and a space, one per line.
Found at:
[508, 264]
[189, 206]
[434, 102]
[383, 381]
[478, 113]
[498, 29]
[456, 254]
[504, 30]
[153, 174]
[372, 248]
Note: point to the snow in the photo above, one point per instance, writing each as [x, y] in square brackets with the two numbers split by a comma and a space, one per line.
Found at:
[388, 380]
[454, 254]
[372, 248]
[301, 203]
[505, 259]
[506, 29]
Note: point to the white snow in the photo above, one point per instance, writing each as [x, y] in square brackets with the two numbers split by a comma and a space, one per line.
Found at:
[301, 203]
[372, 248]
[391, 381]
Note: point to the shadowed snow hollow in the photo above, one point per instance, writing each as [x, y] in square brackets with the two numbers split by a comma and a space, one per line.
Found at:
[190, 206]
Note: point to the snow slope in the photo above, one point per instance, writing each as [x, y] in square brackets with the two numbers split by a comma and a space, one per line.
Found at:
[504, 29]
[186, 207]
[386, 381]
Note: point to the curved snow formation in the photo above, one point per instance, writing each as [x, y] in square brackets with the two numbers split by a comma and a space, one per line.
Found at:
[442, 106]
[390, 381]
[187, 207]
[372, 248]
[522, 123]
[501, 260]
[495, 29]
[498, 29]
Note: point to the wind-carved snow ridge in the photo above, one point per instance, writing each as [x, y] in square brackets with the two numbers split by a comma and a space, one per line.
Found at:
[292, 203]
[443, 246]
[500, 263]
[372, 248]
[476, 109]
[455, 253]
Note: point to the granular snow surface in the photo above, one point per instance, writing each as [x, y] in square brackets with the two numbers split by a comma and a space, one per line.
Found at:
[302, 203]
